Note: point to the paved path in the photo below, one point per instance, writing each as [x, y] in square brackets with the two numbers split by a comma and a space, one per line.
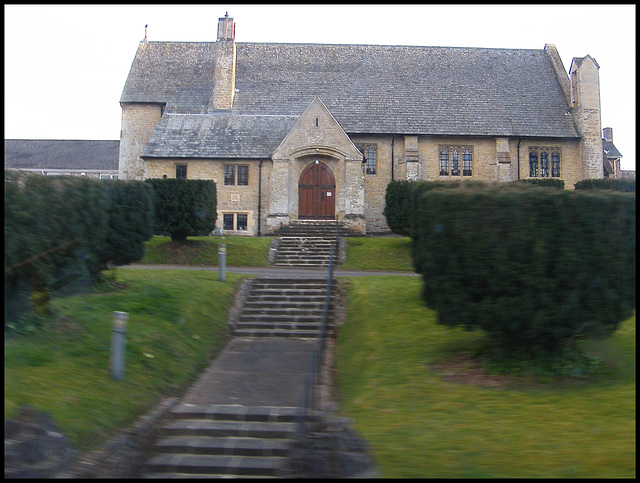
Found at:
[260, 372]
[281, 272]
[266, 371]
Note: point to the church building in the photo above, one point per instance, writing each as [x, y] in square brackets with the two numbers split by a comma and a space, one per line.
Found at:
[317, 131]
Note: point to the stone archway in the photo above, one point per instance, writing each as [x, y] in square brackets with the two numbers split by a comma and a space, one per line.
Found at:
[317, 193]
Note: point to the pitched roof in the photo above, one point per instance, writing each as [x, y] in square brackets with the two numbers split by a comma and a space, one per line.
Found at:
[368, 88]
[610, 150]
[61, 154]
[217, 135]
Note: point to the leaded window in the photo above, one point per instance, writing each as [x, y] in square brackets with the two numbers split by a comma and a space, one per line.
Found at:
[229, 175]
[181, 171]
[227, 221]
[241, 221]
[230, 171]
[544, 162]
[449, 157]
[467, 163]
[444, 162]
[455, 162]
[555, 164]
[370, 155]
[533, 164]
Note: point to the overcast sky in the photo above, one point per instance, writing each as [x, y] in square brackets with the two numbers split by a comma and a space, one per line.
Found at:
[66, 65]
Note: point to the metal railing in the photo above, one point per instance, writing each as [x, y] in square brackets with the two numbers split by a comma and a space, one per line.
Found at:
[313, 372]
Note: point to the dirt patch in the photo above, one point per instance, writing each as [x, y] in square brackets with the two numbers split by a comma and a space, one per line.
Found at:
[468, 369]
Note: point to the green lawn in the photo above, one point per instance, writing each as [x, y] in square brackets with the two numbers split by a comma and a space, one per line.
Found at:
[419, 424]
[177, 322]
[363, 253]
[379, 253]
[203, 250]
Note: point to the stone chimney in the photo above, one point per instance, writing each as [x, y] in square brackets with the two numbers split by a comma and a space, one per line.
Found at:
[225, 71]
[585, 93]
[608, 134]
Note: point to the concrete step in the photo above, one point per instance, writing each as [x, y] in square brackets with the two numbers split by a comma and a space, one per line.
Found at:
[211, 465]
[236, 412]
[223, 428]
[224, 446]
[293, 333]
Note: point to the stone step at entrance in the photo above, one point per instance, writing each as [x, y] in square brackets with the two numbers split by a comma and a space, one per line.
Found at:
[307, 243]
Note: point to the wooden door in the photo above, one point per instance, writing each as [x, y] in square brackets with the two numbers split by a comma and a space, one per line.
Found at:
[317, 193]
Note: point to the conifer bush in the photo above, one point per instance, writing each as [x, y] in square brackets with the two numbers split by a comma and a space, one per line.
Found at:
[183, 207]
[58, 229]
[536, 268]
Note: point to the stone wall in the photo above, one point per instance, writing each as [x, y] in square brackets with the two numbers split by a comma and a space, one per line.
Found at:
[138, 123]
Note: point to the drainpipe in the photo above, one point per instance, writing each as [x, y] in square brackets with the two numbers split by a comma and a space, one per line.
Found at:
[393, 140]
[519, 141]
[259, 194]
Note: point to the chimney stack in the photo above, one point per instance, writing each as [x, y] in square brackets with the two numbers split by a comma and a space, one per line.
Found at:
[608, 134]
[225, 70]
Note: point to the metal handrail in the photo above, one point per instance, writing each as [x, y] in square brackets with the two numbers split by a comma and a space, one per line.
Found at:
[307, 397]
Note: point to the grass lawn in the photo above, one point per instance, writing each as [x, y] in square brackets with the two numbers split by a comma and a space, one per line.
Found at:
[363, 253]
[379, 253]
[203, 250]
[421, 422]
[177, 322]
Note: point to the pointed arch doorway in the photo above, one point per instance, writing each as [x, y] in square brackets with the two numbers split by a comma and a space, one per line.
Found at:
[317, 193]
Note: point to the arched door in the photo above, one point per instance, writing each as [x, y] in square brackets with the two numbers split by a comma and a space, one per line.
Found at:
[317, 192]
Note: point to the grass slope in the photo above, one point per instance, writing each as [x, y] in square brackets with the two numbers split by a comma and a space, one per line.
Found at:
[177, 322]
[422, 424]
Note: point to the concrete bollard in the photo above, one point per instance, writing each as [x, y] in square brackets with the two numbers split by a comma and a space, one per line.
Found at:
[222, 261]
[118, 344]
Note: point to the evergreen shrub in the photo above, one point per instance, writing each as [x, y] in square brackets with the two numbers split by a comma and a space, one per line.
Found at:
[628, 185]
[183, 207]
[536, 268]
[400, 200]
[59, 229]
[546, 182]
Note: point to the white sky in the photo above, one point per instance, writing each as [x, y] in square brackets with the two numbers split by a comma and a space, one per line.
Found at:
[66, 65]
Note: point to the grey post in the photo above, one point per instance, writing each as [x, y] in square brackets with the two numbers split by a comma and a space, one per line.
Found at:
[118, 344]
[222, 261]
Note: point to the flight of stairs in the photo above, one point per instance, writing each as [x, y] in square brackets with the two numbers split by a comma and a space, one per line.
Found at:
[307, 243]
[235, 440]
[282, 308]
[224, 441]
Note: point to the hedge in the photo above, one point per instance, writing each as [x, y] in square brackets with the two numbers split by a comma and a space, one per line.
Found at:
[184, 207]
[627, 185]
[63, 227]
[534, 268]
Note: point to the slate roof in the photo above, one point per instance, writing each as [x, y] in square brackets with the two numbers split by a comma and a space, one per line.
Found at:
[217, 135]
[610, 150]
[368, 88]
[61, 154]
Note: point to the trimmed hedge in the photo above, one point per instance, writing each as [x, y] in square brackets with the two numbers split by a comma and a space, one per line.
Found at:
[546, 182]
[534, 267]
[627, 185]
[64, 227]
[400, 202]
[184, 207]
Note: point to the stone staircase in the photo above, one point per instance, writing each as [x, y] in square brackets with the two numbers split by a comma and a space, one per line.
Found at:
[282, 308]
[224, 441]
[234, 440]
[307, 243]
